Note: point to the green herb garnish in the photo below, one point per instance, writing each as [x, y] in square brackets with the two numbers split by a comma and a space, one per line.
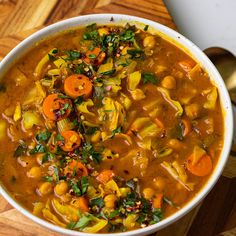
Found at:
[116, 131]
[146, 27]
[92, 56]
[127, 36]
[48, 179]
[97, 202]
[80, 188]
[48, 157]
[88, 151]
[149, 78]
[109, 72]
[20, 150]
[82, 223]
[59, 137]
[43, 136]
[135, 53]
[39, 148]
[72, 55]
[51, 57]
[79, 100]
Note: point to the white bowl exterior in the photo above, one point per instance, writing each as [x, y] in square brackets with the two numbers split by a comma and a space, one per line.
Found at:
[28, 43]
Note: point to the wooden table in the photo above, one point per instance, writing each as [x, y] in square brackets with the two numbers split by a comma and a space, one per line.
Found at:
[20, 18]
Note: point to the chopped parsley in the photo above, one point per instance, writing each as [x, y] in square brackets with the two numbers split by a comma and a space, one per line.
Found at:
[59, 137]
[48, 179]
[82, 223]
[127, 36]
[20, 150]
[79, 100]
[51, 57]
[92, 56]
[149, 78]
[39, 148]
[72, 55]
[116, 131]
[56, 173]
[97, 202]
[135, 53]
[48, 157]
[91, 33]
[89, 152]
[109, 72]
[80, 187]
[146, 27]
[43, 136]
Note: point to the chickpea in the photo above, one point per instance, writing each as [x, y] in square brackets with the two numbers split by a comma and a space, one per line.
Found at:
[160, 183]
[61, 188]
[149, 41]
[148, 193]
[124, 191]
[34, 172]
[45, 188]
[192, 110]
[169, 82]
[110, 200]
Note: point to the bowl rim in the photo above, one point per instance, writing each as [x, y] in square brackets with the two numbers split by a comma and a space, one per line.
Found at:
[50, 30]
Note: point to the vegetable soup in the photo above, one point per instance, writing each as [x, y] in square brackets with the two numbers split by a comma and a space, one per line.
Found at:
[107, 129]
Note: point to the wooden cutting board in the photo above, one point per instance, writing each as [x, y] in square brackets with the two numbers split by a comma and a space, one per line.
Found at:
[19, 19]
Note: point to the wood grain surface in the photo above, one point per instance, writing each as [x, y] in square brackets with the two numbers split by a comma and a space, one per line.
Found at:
[19, 19]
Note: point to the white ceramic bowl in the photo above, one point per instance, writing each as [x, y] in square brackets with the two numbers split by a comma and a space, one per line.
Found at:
[175, 38]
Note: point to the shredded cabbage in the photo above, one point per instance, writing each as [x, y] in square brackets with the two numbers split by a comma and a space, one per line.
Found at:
[175, 104]
[112, 187]
[114, 113]
[99, 224]
[178, 173]
[67, 212]
[51, 217]
[42, 62]
[211, 99]
[31, 118]
[134, 79]
[83, 107]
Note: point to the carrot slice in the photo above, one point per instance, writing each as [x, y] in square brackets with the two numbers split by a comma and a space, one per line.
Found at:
[83, 204]
[76, 166]
[157, 201]
[95, 54]
[71, 140]
[53, 107]
[187, 65]
[202, 167]
[105, 176]
[78, 85]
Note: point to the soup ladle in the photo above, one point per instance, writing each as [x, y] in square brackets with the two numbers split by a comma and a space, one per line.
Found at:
[225, 63]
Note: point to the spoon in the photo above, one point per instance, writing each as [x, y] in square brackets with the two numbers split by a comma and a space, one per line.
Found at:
[225, 62]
